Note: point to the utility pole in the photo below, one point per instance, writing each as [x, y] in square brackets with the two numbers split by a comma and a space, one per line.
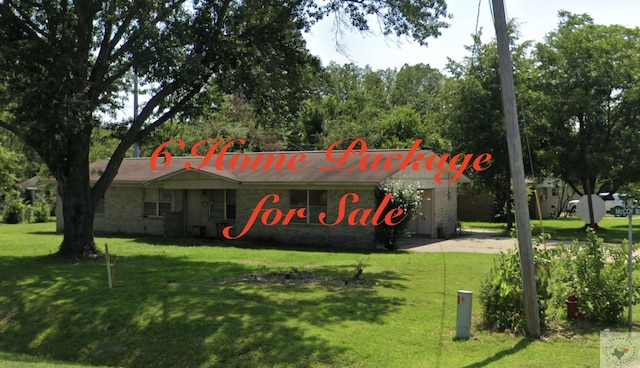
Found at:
[517, 172]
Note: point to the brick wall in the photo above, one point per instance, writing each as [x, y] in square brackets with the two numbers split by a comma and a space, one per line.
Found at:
[445, 211]
[124, 208]
[123, 213]
[341, 234]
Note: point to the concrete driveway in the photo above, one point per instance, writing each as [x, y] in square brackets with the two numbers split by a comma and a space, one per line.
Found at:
[472, 242]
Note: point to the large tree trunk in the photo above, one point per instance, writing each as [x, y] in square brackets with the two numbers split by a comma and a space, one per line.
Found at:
[588, 184]
[78, 209]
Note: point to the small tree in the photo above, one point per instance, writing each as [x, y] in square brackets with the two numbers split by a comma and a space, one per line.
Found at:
[501, 292]
[15, 210]
[406, 196]
[41, 210]
[597, 274]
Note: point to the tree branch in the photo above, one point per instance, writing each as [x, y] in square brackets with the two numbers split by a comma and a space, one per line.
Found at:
[119, 73]
[23, 20]
[106, 55]
[169, 114]
[12, 129]
[575, 188]
[99, 68]
[133, 135]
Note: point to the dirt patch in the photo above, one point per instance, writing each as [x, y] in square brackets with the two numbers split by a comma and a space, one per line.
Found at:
[302, 277]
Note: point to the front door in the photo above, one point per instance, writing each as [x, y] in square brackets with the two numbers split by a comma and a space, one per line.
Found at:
[197, 210]
[424, 220]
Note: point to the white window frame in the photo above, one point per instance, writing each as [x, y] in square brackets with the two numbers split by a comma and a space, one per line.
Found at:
[157, 202]
[311, 217]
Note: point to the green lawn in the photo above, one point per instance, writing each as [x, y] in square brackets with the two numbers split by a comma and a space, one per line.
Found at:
[223, 306]
[611, 229]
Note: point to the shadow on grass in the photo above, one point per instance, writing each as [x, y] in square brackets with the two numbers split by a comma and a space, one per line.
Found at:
[610, 232]
[22, 361]
[172, 312]
[240, 243]
[43, 233]
[521, 345]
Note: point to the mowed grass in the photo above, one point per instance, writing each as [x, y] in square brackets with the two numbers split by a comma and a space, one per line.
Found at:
[217, 306]
[611, 229]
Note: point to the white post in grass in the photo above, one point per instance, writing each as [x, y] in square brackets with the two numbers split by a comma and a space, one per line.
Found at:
[463, 321]
[106, 253]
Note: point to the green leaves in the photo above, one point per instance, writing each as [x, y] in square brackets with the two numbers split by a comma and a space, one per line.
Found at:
[597, 274]
[68, 63]
[406, 196]
[588, 105]
[387, 108]
[8, 169]
[416, 19]
[501, 292]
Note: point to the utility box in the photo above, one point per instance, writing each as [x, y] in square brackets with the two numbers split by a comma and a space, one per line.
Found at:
[463, 321]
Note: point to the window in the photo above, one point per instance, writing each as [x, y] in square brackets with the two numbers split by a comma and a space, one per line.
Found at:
[543, 194]
[554, 191]
[100, 206]
[314, 201]
[222, 205]
[157, 202]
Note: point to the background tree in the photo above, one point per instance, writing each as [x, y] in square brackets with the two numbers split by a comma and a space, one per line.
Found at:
[67, 61]
[388, 108]
[353, 101]
[418, 90]
[9, 169]
[588, 75]
[475, 118]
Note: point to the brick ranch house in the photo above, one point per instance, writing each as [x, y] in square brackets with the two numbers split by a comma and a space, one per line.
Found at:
[177, 202]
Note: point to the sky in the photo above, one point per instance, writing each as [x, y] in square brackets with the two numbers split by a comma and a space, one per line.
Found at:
[536, 18]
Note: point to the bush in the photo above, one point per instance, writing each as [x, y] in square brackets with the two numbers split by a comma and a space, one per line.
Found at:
[41, 210]
[597, 274]
[15, 210]
[501, 292]
[406, 196]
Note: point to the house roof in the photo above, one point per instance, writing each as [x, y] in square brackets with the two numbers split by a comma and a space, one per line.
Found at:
[31, 183]
[308, 170]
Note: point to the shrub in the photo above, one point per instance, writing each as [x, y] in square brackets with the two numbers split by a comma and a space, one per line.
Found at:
[597, 274]
[41, 210]
[15, 210]
[501, 292]
[406, 196]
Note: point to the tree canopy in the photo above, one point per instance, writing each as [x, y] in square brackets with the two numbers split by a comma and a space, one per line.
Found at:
[68, 62]
[474, 117]
[589, 103]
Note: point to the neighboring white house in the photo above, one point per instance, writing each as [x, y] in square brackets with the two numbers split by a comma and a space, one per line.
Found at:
[180, 202]
[553, 195]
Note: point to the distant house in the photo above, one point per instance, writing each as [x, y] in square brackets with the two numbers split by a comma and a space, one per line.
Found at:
[553, 196]
[176, 201]
[38, 188]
